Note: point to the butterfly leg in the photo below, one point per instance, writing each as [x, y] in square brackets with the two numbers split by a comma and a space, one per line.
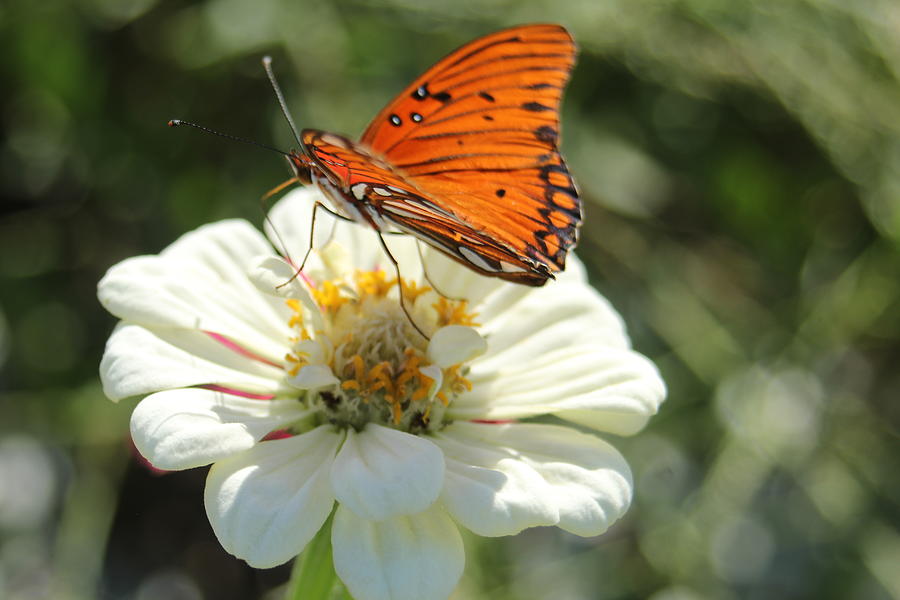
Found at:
[278, 188]
[263, 205]
[309, 249]
[334, 214]
[428, 277]
[400, 286]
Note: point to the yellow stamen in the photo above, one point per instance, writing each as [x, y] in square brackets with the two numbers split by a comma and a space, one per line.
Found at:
[329, 297]
[373, 283]
[411, 290]
[409, 370]
[453, 312]
[296, 318]
[359, 367]
[377, 370]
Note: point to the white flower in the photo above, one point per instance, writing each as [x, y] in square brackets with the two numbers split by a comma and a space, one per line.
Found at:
[319, 390]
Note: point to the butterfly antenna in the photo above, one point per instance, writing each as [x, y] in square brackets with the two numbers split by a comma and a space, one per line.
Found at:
[267, 65]
[234, 138]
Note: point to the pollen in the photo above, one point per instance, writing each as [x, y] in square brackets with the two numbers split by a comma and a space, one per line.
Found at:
[329, 297]
[412, 291]
[374, 283]
[454, 312]
[378, 359]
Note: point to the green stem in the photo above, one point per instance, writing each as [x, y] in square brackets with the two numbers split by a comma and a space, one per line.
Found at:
[313, 577]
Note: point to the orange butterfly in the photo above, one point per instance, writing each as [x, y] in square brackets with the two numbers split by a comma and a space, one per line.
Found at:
[466, 158]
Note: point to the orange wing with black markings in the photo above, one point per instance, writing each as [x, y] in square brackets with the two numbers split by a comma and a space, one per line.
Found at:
[466, 158]
[366, 189]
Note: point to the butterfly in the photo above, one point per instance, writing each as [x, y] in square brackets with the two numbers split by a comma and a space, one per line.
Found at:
[466, 158]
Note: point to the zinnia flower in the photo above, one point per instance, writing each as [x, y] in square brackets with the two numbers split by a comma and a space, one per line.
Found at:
[306, 391]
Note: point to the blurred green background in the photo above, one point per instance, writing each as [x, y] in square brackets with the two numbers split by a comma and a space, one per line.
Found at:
[740, 166]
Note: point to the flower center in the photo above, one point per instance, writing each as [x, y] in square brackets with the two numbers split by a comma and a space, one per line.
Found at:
[378, 363]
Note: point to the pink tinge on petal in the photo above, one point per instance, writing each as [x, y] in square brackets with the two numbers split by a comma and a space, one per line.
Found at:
[300, 274]
[231, 345]
[494, 421]
[139, 458]
[235, 392]
[278, 434]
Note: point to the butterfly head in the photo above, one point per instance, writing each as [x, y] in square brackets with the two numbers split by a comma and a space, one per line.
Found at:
[301, 165]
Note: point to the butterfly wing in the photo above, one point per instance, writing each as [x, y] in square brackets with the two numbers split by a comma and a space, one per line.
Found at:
[477, 134]
[367, 189]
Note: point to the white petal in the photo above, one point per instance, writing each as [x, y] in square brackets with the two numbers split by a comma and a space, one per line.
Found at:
[272, 275]
[275, 277]
[490, 297]
[138, 361]
[266, 504]
[437, 379]
[290, 223]
[228, 248]
[610, 389]
[415, 557]
[316, 351]
[455, 344]
[453, 280]
[522, 321]
[312, 377]
[489, 489]
[381, 472]
[182, 429]
[200, 282]
[575, 271]
[520, 475]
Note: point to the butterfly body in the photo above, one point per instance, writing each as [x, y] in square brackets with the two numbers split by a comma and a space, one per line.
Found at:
[466, 158]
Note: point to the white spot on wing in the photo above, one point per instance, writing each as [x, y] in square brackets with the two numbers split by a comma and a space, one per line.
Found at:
[381, 191]
[373, 212]
[510, 268]
[435, 208]
[359, 191]
[476, 260]
[393, 209]
[342, 206]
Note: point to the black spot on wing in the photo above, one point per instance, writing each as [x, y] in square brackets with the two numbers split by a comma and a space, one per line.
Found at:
[500, 192]
[535, 107]
[546, 133]
[486, 96]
